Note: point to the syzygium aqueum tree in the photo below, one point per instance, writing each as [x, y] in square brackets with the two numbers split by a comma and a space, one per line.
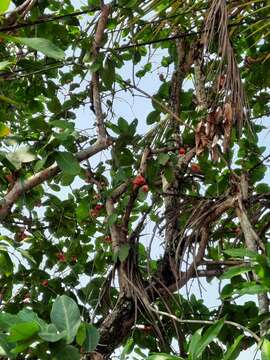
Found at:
[108, 221]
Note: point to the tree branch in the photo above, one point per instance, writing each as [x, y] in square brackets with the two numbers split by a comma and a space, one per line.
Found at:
[101, 129]
[22, 186]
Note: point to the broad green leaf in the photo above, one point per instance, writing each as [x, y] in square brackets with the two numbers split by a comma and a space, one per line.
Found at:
[127, 348]
[194, 342]
[4, 130]
[4, 5]
[26, 254]
[51, 334]
[6, 265]
[20, 156]
[23, 331]
[227, 291]
[8, 100]
[68, 163]
[163, 159]
[22, 346]
[233, 352]
[162, 356]
[28, 315]
[4, 65]
[43, 45]
[65, 315]
[91, 339]
[209, 335]
[241, 253]
[6, 347]
[266, 349]
[7, 320]
[123, 252]
[235, 270]
[123, 125]
[153, 117]
[67, 352]
[81, 334]
[251, 289]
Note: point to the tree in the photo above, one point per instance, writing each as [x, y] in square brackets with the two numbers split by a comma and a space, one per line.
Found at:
[103, 225]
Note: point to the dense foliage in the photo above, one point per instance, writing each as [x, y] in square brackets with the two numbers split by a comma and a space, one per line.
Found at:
[109, 219]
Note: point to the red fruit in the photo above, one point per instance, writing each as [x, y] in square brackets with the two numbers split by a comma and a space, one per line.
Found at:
[182, 151]
[108, 239]
[93, 213]
[138, 181]
[45, 283]
[147, 328]
[9, 178]
[237, 230]
[21, 236]
[74, 258]
[221, 81]
[98, 207]
[145, 188]
[195, 168]
[61, 257]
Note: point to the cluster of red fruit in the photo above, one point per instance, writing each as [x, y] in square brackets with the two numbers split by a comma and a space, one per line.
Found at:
[95, 212]
[107, 239]
[62, 257]
[140, 181]
[182, 151]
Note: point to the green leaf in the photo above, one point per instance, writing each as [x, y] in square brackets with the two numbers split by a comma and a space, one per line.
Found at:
[162, 356]
[153, 117]
[251, 288]
[51, 334]
[28, 315]
[81, 334]
[26, 254]
[91, 339]
[169, 174]
[6, 265]
[194, 342]
[235, 270]
[227, 291]
[123, 125]
[163, 159]
[210, 334]
[20, 156]
[68, 163]
[4, 130]
[43, 45]
[4, 5]
[7, 320]
[241, 253]
[233, 352]
[6, 347]
[127, 348]
[67, 352]
[65, 315]
[266, 349]
[112, 219]
[8, 100]
[23, 331]
[123, 252]
[263, 188]
[4, 64]
[108, 73]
